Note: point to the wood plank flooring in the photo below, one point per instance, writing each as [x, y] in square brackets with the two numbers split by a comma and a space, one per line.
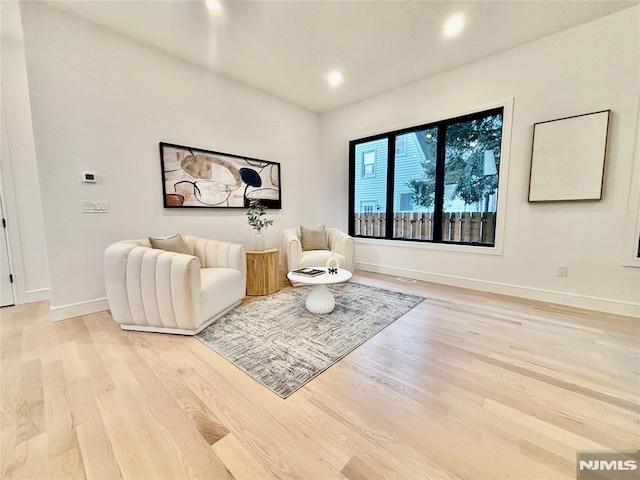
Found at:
[465, 386]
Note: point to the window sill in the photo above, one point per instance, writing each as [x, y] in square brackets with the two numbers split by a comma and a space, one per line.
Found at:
[442, 247]
[631, 262]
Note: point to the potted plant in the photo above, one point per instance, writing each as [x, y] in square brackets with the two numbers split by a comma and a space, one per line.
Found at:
[255, 214]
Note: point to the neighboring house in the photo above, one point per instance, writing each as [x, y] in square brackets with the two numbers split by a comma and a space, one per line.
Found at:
[409, 158]
[371, 172]
[371, 175]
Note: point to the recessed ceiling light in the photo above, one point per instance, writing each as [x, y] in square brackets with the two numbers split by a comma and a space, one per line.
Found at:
[214, 5]
[453, 26]
[335, 78]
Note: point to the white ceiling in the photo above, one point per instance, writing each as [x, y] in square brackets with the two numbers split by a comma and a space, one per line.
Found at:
[287, 48]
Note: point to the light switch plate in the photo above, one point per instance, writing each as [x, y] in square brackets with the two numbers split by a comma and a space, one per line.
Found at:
[92, 206]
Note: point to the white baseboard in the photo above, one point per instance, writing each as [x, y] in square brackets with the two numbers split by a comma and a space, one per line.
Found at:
[563, 298]
[32, 296]
[63, 312]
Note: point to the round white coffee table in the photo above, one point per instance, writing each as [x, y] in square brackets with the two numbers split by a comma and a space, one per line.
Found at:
[320, 300]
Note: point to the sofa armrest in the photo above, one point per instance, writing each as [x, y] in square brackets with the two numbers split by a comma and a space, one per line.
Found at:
[138, 293]
[291, 248]
[343, 244]
[218, 254]
[214, 253]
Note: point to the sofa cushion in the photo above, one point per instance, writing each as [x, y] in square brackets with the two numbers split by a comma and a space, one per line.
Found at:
[313, 238]
[174, 243]
[318, 258]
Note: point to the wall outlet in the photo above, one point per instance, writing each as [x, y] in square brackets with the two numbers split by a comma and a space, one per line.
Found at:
[563, 270]
[89, 206]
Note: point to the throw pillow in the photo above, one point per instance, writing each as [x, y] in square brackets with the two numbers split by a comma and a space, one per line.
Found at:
[174, 243]
[313, 238]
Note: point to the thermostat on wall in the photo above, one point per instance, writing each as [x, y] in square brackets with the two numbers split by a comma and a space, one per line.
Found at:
[88, 177]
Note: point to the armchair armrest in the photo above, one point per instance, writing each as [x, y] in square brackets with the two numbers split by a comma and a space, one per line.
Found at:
[343, 244]
[291, 248]
[217, 254]
[214, 253]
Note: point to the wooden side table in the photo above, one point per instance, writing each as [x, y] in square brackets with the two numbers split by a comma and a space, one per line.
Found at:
[262, 271]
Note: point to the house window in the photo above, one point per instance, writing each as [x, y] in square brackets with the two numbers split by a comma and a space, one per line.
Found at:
[367, 207]
[406, 202]
[452, 175]
[368, 164]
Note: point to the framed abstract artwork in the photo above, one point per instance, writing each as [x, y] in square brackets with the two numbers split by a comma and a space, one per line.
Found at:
[196, 178]
[567, 158]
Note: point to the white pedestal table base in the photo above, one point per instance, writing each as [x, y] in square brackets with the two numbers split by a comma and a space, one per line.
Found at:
[320, 300]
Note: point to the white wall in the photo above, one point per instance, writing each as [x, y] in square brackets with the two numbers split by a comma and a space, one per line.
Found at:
[102, 103]
[18, 167]
[588, 68]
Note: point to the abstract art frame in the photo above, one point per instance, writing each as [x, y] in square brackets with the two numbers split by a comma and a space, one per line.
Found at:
[198, 178]
[568, 158]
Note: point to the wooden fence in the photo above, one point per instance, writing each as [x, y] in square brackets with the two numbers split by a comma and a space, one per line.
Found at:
[456, 226]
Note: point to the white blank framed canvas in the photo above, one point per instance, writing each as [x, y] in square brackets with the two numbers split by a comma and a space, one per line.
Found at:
[568, 157]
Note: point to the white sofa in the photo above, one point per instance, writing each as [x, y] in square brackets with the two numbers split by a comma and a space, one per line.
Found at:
[341, 246]
[160, 291]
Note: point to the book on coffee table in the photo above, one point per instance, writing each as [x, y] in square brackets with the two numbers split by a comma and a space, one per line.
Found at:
[308, 272]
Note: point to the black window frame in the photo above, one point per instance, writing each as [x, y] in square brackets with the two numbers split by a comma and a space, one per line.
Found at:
[441, 127]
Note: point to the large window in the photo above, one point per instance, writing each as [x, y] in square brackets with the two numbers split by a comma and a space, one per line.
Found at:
[434, 183]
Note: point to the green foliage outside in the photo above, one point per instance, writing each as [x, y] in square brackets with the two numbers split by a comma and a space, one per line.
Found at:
[466, 143]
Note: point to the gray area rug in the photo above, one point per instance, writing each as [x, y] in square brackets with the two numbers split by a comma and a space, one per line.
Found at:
[283, 346]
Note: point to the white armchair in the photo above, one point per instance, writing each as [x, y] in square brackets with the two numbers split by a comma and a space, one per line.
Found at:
[162, 291]
[340, 245]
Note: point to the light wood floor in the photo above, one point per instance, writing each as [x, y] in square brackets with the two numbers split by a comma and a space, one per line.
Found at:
[465, 386]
